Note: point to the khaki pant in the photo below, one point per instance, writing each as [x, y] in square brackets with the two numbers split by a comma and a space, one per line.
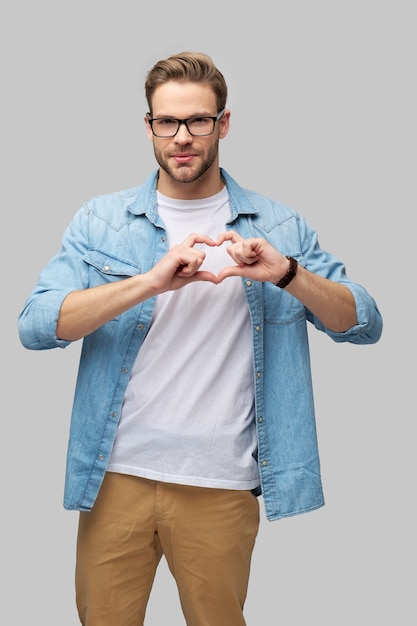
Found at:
[206, 535]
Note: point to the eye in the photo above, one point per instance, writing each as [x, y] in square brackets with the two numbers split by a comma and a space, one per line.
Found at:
[199, 121]
[166, 121]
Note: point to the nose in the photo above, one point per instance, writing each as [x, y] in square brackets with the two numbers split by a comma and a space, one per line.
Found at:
[183, 135]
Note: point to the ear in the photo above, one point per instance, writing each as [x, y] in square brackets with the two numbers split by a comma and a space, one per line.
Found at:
[224, 123]
[148, 128]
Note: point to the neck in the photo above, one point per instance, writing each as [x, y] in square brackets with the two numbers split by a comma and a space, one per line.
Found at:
[204, 187]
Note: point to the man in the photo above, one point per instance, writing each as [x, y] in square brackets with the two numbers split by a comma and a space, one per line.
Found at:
[194, 390]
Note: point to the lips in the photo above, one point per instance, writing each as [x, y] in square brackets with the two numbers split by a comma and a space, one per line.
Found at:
[183, 158]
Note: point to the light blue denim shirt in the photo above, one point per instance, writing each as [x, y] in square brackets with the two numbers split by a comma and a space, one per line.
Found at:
[120, 235]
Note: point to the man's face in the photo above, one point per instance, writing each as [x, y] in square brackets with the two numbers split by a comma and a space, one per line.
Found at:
[186, 158]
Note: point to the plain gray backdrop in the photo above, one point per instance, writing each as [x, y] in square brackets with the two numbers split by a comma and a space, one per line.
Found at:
[323, 107]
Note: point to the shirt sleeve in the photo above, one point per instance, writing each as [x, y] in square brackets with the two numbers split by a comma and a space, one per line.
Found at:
[64, 273]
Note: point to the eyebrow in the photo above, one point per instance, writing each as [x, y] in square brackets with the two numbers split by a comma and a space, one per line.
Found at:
[199, 114]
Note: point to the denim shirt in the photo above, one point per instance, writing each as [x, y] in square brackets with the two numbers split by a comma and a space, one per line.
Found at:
[120, 235]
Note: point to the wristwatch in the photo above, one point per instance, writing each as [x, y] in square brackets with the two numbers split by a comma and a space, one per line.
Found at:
[291, 272]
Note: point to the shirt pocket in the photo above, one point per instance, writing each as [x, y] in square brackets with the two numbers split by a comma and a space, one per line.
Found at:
[105, 267]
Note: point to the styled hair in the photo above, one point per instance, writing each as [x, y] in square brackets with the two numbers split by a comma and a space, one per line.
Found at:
[184, 67]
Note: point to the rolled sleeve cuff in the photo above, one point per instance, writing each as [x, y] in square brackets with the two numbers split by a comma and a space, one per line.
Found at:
[37, 326]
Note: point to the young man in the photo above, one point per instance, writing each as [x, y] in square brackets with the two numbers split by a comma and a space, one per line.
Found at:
[194, 395]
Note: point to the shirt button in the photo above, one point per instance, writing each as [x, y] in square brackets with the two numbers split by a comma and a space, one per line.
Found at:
[124, 370]
[249, 283]
[257, 328]
[106, 268]
[264, 463]
[258, 374]
[100, 457]
[260, 420]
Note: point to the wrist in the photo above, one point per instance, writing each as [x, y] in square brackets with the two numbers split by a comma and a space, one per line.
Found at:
[290, 273]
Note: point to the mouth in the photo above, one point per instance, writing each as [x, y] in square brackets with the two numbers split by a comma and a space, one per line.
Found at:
[183, 157]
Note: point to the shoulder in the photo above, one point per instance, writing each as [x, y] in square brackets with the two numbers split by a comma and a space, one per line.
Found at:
[261, 207]
[111, 201]
[270, 207]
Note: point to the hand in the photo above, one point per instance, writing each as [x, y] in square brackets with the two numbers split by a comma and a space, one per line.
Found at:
[255, 259]
[181, 264]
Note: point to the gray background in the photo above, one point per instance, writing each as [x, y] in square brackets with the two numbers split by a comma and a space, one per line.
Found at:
[336, 81]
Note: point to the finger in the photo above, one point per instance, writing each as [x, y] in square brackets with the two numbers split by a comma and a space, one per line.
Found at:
[205, 276]
[229, 235]
[243, 252]
[189, 265]
[232, 270]
[194, 238]
[250, 250]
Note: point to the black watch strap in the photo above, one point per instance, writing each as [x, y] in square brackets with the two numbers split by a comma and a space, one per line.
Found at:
[291, 272]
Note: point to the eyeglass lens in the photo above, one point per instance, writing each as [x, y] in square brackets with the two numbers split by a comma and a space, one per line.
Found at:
[168, 127]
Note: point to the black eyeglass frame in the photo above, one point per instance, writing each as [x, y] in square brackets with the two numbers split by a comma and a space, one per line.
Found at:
[214, 118]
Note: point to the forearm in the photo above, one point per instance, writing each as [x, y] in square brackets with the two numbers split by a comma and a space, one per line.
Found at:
[333, 303]
[83, 311]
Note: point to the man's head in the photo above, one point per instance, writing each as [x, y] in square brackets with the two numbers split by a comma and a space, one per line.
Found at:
[187, 66]
[187, 95]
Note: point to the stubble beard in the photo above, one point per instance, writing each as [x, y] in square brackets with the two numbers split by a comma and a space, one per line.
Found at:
[186, 173]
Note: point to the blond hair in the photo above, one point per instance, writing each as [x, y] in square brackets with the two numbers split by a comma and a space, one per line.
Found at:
[183, 67]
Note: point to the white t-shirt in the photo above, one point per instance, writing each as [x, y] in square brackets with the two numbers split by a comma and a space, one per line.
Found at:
[188, 413]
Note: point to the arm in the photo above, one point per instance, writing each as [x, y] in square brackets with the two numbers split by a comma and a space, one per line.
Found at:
[333, 303]
[83, 311]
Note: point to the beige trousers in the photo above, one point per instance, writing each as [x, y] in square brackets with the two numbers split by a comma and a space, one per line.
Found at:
[206, 535]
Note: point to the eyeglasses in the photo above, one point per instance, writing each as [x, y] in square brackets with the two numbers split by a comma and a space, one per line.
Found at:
[198, 126]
